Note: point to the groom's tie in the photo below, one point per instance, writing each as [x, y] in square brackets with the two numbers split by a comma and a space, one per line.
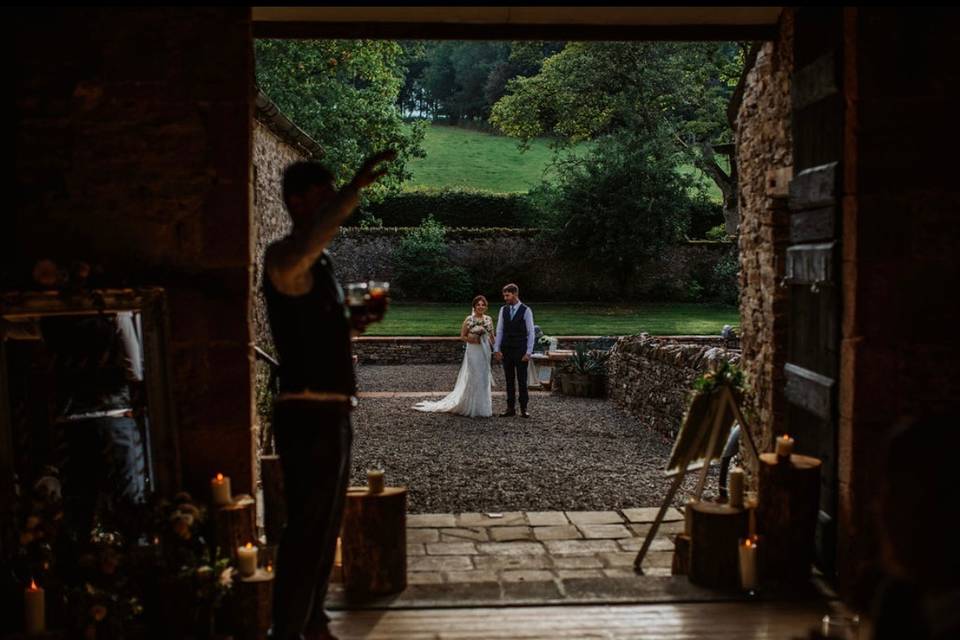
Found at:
[513, 310]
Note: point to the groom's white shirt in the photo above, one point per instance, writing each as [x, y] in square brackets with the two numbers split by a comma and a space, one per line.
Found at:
[529, 323]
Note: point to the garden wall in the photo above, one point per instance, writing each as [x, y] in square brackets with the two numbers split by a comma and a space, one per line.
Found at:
[441, 350]
[495, 257]
[764, 151]
[651, 377]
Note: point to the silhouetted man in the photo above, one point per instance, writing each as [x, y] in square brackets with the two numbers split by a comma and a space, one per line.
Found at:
[311, 329]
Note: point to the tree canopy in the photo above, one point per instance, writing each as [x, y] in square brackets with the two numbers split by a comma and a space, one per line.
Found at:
[677, 92]
[343, 93]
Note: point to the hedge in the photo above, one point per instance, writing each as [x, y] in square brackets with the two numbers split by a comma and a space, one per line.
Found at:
[452, 208]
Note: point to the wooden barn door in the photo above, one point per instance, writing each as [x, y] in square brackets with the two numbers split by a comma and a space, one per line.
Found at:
[813, 256]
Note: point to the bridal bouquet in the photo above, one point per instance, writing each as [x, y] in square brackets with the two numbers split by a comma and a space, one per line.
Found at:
[478, 330]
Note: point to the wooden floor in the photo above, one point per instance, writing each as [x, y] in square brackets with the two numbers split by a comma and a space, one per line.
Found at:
[721, 621]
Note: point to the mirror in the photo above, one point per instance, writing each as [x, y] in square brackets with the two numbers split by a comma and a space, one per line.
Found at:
[85, 403]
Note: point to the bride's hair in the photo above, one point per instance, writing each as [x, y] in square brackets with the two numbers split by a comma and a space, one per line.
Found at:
[479, 299]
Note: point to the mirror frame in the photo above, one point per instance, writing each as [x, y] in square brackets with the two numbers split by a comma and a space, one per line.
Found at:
[151, 303]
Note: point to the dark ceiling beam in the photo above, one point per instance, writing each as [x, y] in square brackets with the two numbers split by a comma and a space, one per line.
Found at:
[513, 31]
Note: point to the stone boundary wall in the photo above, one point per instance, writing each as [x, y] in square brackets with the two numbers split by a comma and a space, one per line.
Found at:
[388, 350]
[651, 377]
[494, 257]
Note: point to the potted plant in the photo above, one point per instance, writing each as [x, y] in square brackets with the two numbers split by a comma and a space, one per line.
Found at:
[598, 372]
[574, 374]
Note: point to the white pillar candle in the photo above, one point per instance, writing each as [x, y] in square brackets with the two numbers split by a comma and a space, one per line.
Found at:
[375, 481]
[748, 563]
[735, 488]
[220, 489]
[34, 614]
[247, 559]
[784, 446]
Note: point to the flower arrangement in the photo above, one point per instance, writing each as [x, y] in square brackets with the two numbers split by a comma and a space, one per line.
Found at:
[722, 374]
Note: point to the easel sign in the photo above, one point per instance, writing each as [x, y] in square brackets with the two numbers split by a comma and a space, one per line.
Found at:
[713, 410]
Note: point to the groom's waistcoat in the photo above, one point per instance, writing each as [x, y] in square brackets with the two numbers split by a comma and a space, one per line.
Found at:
[514, 331]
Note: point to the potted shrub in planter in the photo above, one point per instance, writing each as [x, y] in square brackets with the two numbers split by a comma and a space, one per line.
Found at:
[574, 374]
[598, 372]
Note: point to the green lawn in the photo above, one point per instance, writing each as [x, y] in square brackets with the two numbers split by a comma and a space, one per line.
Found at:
[459, 157]
[559, 319]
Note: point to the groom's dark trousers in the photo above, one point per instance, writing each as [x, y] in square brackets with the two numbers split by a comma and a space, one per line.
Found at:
[514, 366]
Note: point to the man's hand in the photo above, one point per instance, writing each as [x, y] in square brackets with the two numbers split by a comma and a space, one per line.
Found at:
[370, 171]
[525, 358]
[498, 356]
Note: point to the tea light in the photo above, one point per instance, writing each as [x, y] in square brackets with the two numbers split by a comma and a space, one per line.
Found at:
[220, 489]
[735, 488]
[247, 559]
[784, 446]
[748, 563]
[34, 615]
[375, 481]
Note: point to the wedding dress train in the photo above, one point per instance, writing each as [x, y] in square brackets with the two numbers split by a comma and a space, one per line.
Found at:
[471, 394]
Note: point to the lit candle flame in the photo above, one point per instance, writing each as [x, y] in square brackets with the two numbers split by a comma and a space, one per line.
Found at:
[219, 477]
[249, 545]
[270, 567]
[33, 585]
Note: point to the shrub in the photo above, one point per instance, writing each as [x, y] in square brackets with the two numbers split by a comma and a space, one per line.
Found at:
[718, 232]
[706, 216]
[449, 207]
[423, 269]
[724, 283]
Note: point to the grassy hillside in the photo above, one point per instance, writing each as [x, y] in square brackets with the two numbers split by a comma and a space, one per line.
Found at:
[466, 158]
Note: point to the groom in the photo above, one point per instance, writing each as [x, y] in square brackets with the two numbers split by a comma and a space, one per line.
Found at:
[513, 347]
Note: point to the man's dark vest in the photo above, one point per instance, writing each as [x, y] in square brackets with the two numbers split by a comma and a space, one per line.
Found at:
[514, 331]
[312, 334]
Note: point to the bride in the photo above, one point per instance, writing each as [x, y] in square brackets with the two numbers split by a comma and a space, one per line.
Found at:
[471, 394]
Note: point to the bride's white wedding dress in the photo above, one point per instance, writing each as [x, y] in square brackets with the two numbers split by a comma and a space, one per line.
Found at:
[471, 394]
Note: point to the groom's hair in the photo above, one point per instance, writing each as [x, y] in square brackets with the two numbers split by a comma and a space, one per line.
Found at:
[512, 288]
[478, 299]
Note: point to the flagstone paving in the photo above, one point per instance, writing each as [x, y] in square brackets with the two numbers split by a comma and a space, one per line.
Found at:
[572, 562]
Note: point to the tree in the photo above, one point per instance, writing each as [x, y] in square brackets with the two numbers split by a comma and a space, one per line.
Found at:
[343, 93]
[592, 90]
[620, 205]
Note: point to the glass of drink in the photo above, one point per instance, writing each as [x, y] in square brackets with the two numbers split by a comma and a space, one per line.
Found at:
[842, 626]
[379, 294]
[358, 298]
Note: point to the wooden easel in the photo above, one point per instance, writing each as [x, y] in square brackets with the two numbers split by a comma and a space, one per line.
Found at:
[720, 400]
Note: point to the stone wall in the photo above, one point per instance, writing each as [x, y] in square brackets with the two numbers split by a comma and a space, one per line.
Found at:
[651, 377]
[132, 147]
[441, 350]
[271, 155]
[495, 257]
[764, 145]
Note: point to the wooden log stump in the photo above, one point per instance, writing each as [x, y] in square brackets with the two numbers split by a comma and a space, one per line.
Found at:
[681, 555]
[374, 541]
[274, 506]
[789, 500]
[715, 532]
[252, 605]
[236, 525]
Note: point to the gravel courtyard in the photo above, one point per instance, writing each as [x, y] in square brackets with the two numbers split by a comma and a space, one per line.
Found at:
[573, 454]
